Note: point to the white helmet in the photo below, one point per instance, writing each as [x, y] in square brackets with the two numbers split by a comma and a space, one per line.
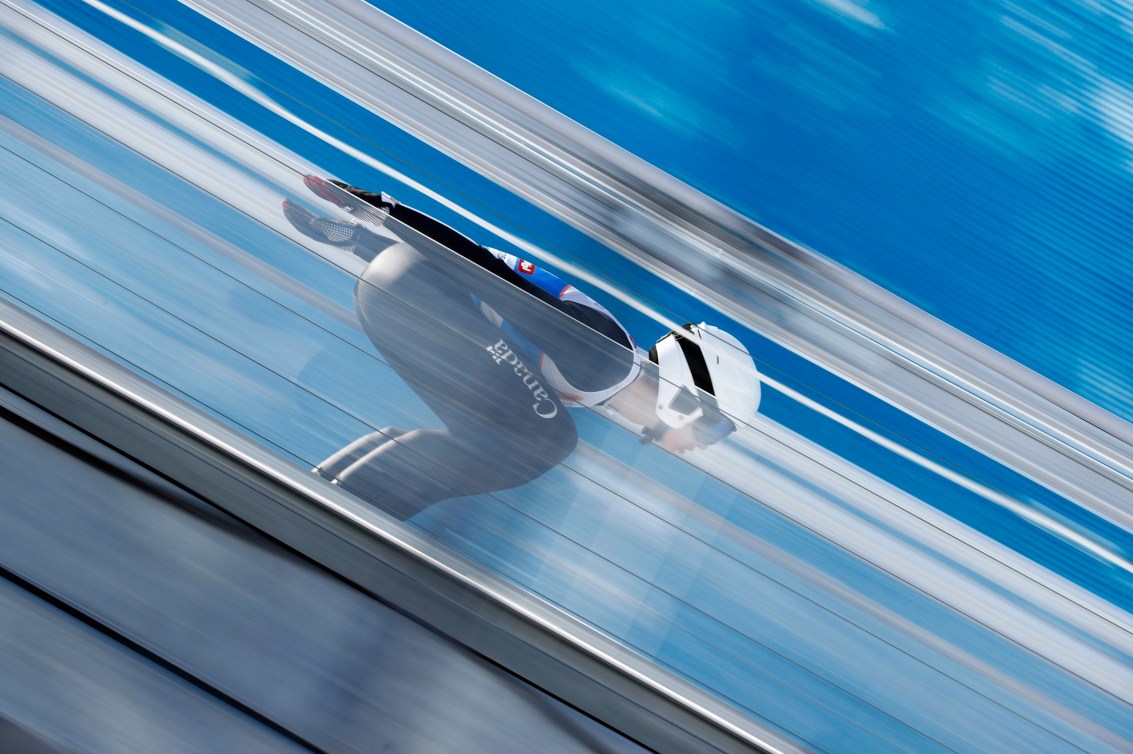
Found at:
[706, 374]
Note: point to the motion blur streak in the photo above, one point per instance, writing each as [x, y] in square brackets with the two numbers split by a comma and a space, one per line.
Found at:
[768, 587]
[1083, 541]
[781, 290]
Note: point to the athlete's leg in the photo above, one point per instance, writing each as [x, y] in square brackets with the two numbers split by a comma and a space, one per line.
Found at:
[441, 233]
[422, 467]
[347, 196]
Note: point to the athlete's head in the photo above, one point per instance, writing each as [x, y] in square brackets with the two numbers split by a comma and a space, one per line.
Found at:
[706, 376]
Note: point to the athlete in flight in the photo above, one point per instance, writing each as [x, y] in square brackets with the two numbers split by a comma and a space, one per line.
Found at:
[498, 348]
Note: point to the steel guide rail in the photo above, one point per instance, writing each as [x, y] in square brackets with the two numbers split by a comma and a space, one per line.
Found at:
[531, 638]
[804, 302]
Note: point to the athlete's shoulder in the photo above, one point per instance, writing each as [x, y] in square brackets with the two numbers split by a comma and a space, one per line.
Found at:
[539, 275]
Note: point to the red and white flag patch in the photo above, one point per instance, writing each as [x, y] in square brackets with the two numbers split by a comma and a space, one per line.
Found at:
[527, 268]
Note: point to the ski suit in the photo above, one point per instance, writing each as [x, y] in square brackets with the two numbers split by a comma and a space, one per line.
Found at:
[497, 347]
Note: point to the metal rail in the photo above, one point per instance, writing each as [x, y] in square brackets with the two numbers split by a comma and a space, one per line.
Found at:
[538, 642]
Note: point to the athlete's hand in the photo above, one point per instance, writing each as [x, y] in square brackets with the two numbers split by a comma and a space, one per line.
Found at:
[680, 440]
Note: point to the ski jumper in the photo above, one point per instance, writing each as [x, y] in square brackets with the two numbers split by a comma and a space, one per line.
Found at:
[497, 347]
